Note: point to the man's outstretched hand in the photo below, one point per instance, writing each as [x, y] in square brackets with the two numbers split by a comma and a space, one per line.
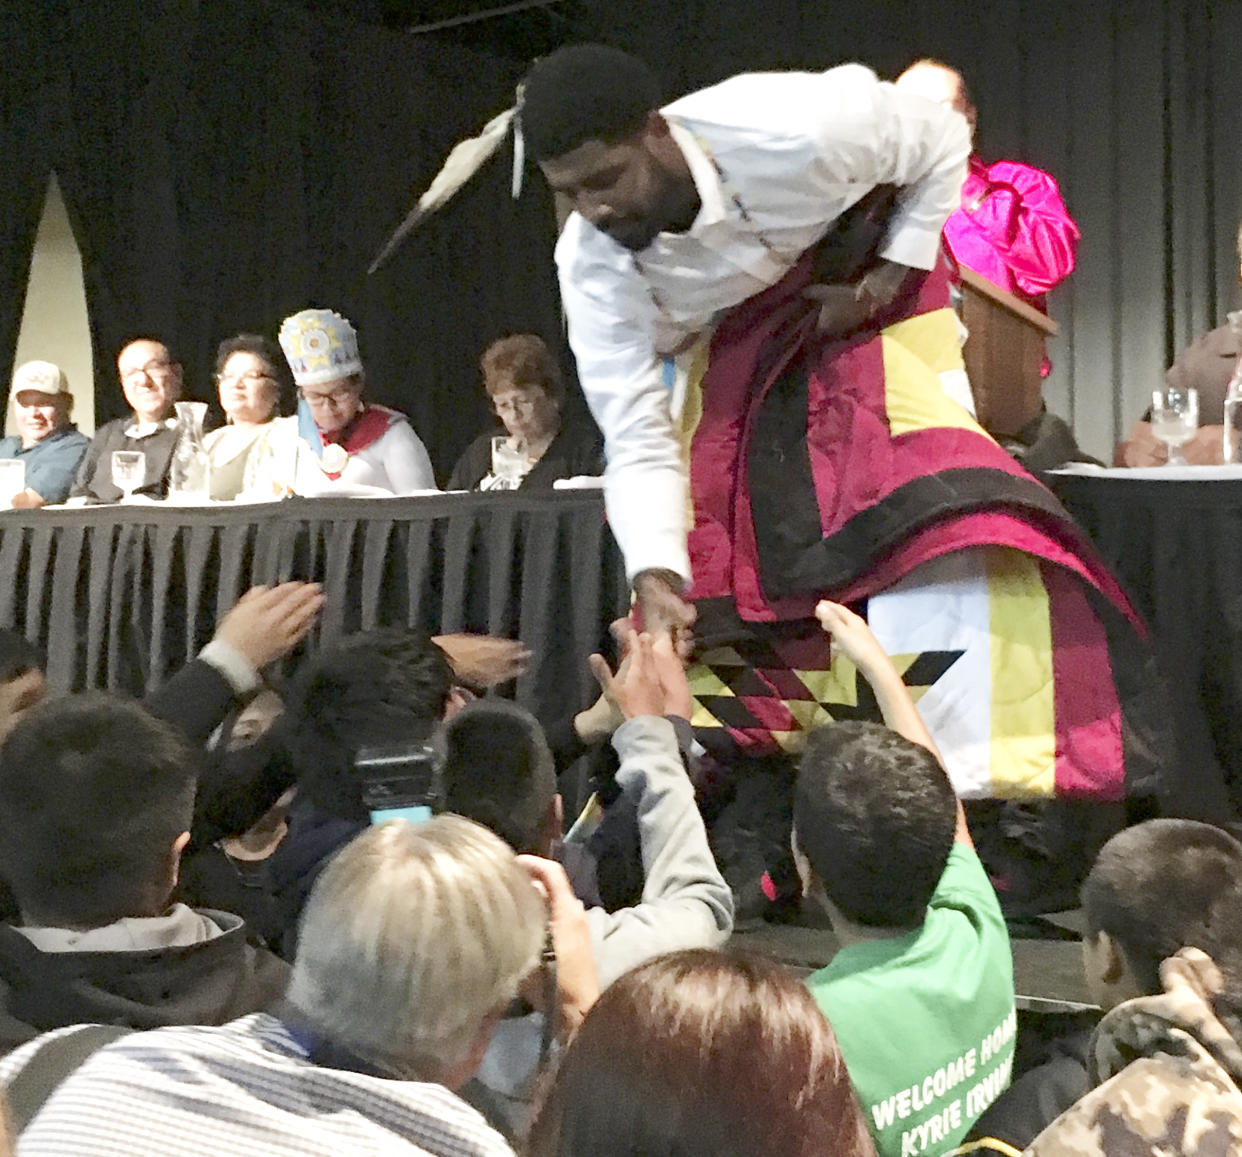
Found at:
[663, 609]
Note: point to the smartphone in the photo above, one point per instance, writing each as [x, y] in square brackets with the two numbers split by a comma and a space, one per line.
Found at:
[400, 782]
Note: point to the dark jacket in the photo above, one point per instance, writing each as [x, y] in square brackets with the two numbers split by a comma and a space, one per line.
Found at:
[94, 480]
[575, 450]
[209, 983]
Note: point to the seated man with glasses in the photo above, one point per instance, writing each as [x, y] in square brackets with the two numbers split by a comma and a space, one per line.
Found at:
[337, 443]
[151, 381]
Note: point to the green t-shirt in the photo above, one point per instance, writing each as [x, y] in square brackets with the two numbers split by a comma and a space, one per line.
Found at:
[926, 1021]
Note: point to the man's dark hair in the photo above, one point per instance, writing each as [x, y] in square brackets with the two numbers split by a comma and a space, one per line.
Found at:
[94, 790]
[584, 92]
[378, 688]
[1165, 885]
[875, 816]
[498, 771]
[17, 656]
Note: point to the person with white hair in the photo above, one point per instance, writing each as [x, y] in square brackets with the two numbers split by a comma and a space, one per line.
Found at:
[414, 943]
[44, 438]
[337, 442]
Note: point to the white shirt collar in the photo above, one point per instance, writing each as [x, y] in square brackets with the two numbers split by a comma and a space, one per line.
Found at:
[146, 429]
[704, 173]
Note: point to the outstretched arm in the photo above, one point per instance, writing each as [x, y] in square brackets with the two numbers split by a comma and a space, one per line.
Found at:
[855, 640]
[685, 902]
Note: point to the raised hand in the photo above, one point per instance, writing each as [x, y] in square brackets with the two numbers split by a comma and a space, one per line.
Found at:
[482, 661]
[266, 623]
[635, 688]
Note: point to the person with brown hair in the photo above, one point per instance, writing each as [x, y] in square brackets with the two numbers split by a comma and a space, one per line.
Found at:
[523, 383]
[700, 1053]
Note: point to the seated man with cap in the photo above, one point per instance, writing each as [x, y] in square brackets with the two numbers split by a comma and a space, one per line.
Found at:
[337, 443]
[45, 440]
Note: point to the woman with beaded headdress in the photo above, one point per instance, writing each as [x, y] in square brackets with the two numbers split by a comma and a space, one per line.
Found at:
[337, 437]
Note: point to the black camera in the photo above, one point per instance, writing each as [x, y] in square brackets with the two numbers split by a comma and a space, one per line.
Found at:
[399, 782]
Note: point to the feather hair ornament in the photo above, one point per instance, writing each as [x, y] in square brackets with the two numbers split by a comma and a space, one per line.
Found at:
[464, 160]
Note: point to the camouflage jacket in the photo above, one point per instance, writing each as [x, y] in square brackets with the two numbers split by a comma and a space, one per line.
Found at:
[1167, 1070]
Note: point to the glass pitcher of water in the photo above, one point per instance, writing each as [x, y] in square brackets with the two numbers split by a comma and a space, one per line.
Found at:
[1233, 399]
[189, 476]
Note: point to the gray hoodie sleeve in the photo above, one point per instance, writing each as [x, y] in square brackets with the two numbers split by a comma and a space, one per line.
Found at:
[685, 903]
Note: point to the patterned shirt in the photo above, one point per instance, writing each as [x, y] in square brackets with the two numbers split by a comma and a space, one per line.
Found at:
[246, 1087]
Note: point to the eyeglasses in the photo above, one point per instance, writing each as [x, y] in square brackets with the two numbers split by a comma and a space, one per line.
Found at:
[153, 369]
[338, 397]
[514, 403]
[252, 378]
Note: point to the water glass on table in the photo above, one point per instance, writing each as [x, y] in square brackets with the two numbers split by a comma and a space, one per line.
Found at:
[509, 464]
[129, 471]
[1174, 419]
[12, 480]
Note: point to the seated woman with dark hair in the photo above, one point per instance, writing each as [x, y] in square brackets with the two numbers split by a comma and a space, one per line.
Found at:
[699, 1053]
[253, 380]
[523, 381]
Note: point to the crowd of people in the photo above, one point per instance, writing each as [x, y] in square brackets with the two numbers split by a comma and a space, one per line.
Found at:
[345, 910]
[214, 939]
[334, 442]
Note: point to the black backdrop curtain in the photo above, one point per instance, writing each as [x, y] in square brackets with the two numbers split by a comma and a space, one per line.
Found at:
[1132, 104]
[227, 163]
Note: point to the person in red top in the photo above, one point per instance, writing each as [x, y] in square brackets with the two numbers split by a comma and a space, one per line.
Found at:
[1013, 227]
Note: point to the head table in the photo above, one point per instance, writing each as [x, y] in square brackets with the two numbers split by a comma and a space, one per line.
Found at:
[1173, 536]
[121, 596]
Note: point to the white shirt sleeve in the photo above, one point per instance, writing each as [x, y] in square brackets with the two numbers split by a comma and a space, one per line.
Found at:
[889, 137]
[645, 487]
[405, 460]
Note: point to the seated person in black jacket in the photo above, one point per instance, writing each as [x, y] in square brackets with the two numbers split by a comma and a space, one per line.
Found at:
[523, 382]
[1154, 889]
[151, 381]
[96, 797]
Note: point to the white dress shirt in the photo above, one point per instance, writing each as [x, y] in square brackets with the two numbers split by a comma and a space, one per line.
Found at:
[795, 150]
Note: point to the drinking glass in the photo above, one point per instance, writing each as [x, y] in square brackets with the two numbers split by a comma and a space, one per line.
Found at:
[12, 480]
[129, 471]
[509, 464]
[1174, 419]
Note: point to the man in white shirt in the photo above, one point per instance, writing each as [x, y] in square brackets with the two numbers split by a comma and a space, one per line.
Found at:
[415, 942]
[711, 200]
[762, 327]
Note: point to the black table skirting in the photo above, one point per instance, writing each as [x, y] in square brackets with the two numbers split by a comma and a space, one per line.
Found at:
[1176, 546]
[120, 597]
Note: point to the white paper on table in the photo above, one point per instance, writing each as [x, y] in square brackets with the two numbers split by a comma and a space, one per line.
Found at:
[580, 482]
[1231, 472]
